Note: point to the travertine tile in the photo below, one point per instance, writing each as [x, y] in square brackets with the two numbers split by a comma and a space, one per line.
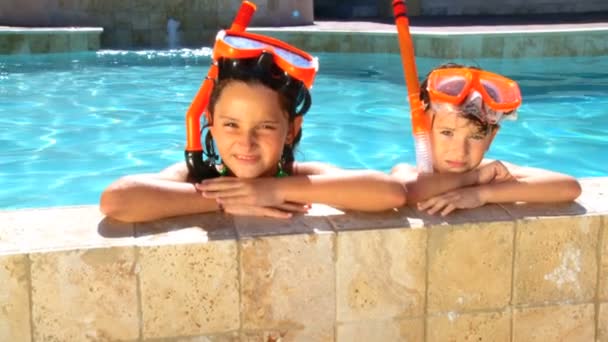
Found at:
[486, 213]
[264, 226]
[78, 42]
[594, 196]
[36, 229]
[14, 298]
[492, 46]
[469, 327]
[39, 43]
[422, 46]
[323, 333]
[556, 260]
[195, 285]
[228, 337]
[522, 46]
[595, 44]
[59, 43]
[380, 274]
[556, 45]
[602, 323]
[84, 294]
[554, 323]
[603, 269]
[288, 284]
[470, 267]
[406, 330]
[471, 46]
[533, 210]
[186, 229]
[354, 220]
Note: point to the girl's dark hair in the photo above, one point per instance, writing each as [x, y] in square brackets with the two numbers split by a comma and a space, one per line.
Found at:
[294, 97]
[483, 126]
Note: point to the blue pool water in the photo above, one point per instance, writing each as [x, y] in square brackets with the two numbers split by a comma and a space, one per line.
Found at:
[70, 124]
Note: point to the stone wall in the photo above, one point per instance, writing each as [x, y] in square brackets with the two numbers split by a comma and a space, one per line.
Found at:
[141, 23]
[496, 273]
[381, 8]
[510, 7]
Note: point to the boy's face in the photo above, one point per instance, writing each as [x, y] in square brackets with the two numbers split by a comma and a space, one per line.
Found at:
[457, 143]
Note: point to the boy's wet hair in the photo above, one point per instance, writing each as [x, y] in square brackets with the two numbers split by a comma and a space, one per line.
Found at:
[482, 126]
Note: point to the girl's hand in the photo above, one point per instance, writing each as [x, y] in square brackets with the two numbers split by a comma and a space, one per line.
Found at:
[465, 198]
[493, 172]
[284, 211]
[231, 190]
[241, 195]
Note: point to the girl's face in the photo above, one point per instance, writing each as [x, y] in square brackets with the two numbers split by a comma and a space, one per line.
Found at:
[250, 129]
[457, 143]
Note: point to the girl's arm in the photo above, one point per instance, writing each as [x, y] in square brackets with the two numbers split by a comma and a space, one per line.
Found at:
[146, 197]
[532, 185]
[355, 190]
[312, 183]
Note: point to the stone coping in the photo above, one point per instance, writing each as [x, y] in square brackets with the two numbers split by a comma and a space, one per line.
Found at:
[498, 273]
[445, 29]
[47, 30]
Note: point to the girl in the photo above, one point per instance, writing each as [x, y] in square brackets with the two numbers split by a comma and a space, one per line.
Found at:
[255, 116]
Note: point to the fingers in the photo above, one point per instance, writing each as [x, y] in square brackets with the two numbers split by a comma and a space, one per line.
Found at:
[448, 209]
[443, 203]
[219, 184]
[245, 210]
[293, 207]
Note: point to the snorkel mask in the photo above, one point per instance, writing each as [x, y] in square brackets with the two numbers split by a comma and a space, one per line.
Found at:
[276, 64]
[488, 96]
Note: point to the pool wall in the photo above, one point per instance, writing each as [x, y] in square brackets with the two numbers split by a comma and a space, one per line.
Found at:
[496, 273]
[129, 24]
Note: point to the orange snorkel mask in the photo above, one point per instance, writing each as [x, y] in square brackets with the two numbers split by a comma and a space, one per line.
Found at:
[277, 64]
[487, 95]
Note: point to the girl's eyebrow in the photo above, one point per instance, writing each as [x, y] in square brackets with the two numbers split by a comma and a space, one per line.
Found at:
[445, 127]
[228, 117]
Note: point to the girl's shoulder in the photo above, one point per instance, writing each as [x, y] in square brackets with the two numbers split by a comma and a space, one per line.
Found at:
[177, 172]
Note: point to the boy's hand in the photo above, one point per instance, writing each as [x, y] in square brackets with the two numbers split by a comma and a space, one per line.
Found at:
[493, 172]
[465, 198]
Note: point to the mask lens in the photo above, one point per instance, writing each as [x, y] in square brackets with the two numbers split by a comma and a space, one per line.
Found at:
[452, 86]
[247, 43]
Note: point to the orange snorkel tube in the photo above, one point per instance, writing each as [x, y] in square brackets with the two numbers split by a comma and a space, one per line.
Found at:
[421, 126]
[194, 149]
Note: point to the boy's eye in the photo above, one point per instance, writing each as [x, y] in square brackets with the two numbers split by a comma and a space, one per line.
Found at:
[477, 137]
[447, 133]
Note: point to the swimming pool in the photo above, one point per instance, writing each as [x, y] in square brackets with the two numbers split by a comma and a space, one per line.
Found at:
[72, 123]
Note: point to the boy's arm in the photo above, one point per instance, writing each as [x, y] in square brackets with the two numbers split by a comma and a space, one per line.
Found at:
[532, 185]
[422, 186]
[147, 197]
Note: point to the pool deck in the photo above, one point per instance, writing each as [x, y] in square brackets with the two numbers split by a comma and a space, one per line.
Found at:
[465, 24]
[445, 37]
